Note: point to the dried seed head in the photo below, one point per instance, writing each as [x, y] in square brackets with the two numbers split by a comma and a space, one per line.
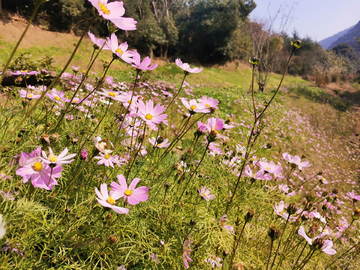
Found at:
[113, 239]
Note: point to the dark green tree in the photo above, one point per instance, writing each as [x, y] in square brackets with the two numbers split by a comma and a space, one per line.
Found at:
[206, 28]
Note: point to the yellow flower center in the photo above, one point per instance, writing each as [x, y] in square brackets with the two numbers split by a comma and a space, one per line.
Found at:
[207, 106]
[214, 132]
[107, 156]
[130, 102]
[193, 107]
[203, 194]
[148, 116]
[103, 8]
[282, 213]
[57, 98]
[128, 192]
[30, 95]
[214, 258]
[267, 168]
[111, 94]
[110, 200]
[74, 100]
[159, 144]
[53, 159]
[119, 51]
[37, 166]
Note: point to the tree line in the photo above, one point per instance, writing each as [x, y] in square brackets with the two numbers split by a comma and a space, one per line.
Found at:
[200, 31]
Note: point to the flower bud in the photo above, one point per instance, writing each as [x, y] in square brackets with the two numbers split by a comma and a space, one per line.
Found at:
[250, 214]
[225, 253]
[274, 233]
[318, 243]
[113, 239]
[296, 44]
[292, 208]
[254, 60]
[313, 229]
[356, 214]
[192, 222]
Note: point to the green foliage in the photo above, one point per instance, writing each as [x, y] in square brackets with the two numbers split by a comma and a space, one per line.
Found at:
[25, 62]
[206, 29]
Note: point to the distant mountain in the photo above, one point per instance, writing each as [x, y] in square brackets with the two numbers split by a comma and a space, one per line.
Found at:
[326, 43]
[349, 38]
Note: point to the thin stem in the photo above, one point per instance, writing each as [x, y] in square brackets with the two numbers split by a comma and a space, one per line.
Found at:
[236, 243]
[271, 247]
[252, 92]
[282, 78]
[296, 262]
[311, 254]
[277, 250]
[177, 92]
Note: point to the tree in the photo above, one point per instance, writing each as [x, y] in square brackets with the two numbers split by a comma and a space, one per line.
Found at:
[206, 28]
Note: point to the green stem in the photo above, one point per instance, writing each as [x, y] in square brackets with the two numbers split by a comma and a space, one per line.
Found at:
[177, 92]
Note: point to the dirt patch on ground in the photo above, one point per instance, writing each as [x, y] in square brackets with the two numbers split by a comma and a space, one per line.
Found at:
[12, 26]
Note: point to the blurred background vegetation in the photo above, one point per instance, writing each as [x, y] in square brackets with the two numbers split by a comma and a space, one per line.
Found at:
[205, 32]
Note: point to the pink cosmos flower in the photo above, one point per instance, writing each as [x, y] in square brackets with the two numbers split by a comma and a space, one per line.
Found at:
[110, 94]
[62, 158]
[186, 253]
[98, 42]
[186, 67]
[56, 96]
[280, 210]
[210, 103]
[214, 149]
[109, 201]
[205, 193]
[150, 114]
[228, 228]
[75, 100]
[41, 175]
[325, 246]
[114, 12]
[296, 160]
[120, 50]
[352, 196]
[159, 143]
[270, 167]
[259, 175]
[28, 95]
[107, 160]
[144, 65]
[128, 99]
[154, 258]
[214, 261]
[132, 194]
[194, 107]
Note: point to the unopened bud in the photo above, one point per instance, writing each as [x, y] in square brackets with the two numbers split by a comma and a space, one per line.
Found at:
[296, 44]
[356, 214]
[274, 233]
[254, 60]
[249, 215]
[112, 239]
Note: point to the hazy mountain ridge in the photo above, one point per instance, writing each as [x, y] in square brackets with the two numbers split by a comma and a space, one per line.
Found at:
[327, 42]
[349, 38]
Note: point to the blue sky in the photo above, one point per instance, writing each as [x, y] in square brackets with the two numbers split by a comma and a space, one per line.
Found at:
[317, 19]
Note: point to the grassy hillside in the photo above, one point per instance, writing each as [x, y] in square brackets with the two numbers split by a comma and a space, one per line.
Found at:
[65, 227]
